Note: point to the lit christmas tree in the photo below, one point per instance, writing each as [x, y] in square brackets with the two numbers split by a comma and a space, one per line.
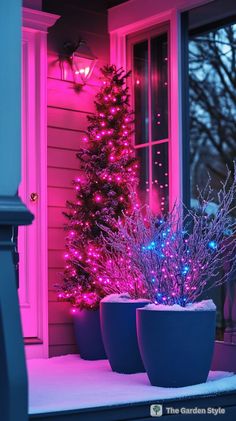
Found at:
[103, 193]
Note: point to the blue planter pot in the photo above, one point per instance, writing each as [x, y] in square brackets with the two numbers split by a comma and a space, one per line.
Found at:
[118, 323]
[88, 334]
[176, 346]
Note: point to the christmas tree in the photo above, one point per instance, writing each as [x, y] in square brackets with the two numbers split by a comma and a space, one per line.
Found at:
[103, 192]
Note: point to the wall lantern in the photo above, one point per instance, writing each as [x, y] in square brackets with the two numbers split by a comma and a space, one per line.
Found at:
[81, 61]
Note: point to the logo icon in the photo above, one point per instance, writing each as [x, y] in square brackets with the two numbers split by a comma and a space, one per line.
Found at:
[156, 410]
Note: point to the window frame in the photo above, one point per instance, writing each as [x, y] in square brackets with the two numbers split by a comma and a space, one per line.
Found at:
[118, 56]
[131, 17]
[131, 40]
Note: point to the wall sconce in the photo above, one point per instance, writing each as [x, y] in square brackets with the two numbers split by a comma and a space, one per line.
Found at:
[81, 61]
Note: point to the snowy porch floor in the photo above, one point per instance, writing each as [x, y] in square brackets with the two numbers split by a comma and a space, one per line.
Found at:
[67, 388]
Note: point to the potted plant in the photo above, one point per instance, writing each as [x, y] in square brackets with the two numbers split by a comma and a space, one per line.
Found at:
[102, 194]
[118, 324]
[178, 257]
[125, 292]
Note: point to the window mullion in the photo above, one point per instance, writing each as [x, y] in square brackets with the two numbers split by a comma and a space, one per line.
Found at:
[150, 124]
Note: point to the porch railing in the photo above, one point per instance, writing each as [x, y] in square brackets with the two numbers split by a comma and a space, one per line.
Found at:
[13, 375]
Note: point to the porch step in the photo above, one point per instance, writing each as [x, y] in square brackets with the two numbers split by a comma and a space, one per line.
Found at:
[141, 411]
[68, 388]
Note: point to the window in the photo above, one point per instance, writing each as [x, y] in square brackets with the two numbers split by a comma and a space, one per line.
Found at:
[148, 54]
[134, 17]
[212, 91]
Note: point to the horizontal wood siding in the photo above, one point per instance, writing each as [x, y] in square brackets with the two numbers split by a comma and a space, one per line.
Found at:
[58, 196]
[58, 138]
[67, 121]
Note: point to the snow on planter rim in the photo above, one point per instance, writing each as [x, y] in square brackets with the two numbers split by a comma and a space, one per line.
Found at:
[122, 298]
[205, 305]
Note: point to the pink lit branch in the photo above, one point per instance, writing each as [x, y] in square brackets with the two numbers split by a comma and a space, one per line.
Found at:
[117, 274]
[178, 257]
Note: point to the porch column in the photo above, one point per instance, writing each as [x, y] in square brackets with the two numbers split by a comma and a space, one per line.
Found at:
[13, 376]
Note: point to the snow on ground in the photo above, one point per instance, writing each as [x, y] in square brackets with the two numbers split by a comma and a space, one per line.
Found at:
[68, 382]
[204, 305]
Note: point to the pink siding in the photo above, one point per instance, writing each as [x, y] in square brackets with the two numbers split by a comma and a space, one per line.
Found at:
[67, 112]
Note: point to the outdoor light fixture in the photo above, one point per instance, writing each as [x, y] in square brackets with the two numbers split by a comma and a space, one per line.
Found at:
[81, 61]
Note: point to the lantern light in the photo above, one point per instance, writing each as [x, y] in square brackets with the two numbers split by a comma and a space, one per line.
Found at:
[83, 62]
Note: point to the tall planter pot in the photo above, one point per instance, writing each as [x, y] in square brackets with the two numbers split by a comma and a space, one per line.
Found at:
[176, 346]
[88, 334]
[118, 323]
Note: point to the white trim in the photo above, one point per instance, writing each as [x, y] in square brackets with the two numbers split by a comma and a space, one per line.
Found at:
[37, 20]
[145, 12]
[36, 350]
[175, 144]
[35, 25]
[41, 54]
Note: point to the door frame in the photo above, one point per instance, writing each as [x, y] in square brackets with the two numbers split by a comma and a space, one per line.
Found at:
[35, 25]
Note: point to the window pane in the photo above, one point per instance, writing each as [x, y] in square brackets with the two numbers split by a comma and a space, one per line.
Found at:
[159, 89]
[141, 91]
[212, 137]
[160, 184]
[142, 155]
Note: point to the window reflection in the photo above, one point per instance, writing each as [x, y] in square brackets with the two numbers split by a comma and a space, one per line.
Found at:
[141, 91]
[159, 89]
[212, 139]
[150, 101]
[144, 190]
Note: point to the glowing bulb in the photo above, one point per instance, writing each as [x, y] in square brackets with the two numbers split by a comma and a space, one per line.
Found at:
[86, 71]
[212, 245]
[98, 198]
